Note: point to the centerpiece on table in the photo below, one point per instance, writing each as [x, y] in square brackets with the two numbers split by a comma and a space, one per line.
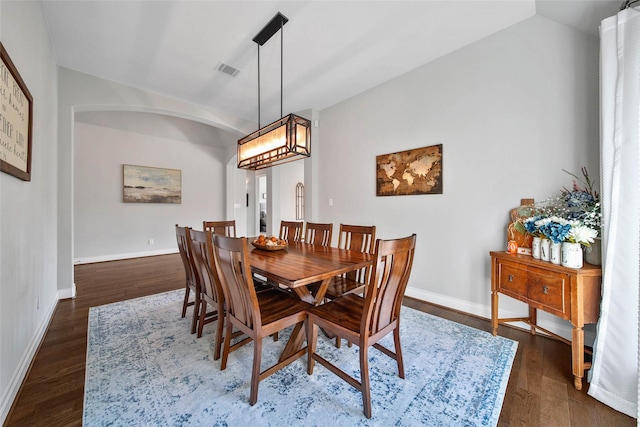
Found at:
[562, 225]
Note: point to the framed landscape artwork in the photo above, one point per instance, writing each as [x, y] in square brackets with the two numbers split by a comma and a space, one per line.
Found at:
[142, 184]
[417, 171]
[16, 120]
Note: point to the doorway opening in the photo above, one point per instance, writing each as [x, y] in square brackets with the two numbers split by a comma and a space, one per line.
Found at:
[261, 195]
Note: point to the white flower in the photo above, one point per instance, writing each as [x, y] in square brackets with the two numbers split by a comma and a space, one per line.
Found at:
[582, 234]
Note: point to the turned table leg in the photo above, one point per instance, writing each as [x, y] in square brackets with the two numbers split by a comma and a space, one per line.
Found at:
[533, 319]
[494, 312]
[577, 356]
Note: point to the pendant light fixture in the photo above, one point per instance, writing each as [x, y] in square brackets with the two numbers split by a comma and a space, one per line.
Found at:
[284, 140]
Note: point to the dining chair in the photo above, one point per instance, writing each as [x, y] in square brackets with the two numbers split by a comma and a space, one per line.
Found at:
[256, 314]
[360, 238]
[186, 254]
[364, 321]
[211, 290]
[228, 228]
[291, 230]
[224, 228]
[318, 234]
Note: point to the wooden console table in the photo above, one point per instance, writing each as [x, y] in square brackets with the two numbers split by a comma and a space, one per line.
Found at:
[572, 294]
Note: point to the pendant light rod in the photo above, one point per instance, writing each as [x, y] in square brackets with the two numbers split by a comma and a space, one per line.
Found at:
[259, 122]
[276, 24]
[281, 64]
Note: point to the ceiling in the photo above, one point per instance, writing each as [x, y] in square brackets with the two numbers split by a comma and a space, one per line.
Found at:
[332, 50]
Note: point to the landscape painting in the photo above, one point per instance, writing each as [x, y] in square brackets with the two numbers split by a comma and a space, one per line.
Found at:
[417, 171]
[142, 184]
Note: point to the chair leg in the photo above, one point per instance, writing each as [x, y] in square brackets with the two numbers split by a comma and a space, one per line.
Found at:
[396, 342]
[338, 342]
[227, 344]
[364, 376]
[203, 313]
[219, 328]
[275, 336]
[186, 301]
[196, 313]
[255, 374]
[312, 335]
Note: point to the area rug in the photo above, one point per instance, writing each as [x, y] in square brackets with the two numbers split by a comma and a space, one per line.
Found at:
[144, 368]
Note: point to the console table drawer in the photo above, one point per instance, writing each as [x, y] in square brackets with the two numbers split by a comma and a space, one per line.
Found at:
[512, 279]
[549, 292]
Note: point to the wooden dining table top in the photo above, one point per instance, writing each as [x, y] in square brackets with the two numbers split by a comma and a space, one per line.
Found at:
[301, 264]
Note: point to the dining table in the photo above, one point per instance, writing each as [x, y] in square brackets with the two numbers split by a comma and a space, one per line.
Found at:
[306, 270]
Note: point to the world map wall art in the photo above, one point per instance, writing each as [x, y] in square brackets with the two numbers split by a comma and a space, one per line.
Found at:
[417, 171]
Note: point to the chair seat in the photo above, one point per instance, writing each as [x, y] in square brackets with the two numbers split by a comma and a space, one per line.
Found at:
[261, 285]
[342, 286]
[345, 311]
[276, 305]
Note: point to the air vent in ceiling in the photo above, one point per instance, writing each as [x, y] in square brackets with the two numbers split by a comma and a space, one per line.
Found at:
[227, 69]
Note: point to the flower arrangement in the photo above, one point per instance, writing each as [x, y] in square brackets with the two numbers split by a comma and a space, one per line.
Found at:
[572, 216]
[582, 234]
[554, 228]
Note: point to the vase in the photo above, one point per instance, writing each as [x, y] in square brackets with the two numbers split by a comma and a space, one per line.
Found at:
[593, 253]
[572, 255]
[535, 248]
[545, 249]
[554, 253]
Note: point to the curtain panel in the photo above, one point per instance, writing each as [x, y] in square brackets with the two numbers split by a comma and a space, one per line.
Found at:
[614, 373]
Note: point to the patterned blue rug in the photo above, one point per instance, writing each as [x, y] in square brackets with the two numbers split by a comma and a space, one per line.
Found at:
[144, 368]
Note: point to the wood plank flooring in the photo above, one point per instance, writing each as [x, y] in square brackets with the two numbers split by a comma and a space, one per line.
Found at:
[540, 390]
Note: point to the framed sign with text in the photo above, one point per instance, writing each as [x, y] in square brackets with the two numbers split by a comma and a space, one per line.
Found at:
[16, 120]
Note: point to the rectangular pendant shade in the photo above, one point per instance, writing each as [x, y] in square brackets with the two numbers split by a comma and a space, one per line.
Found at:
[280, 142]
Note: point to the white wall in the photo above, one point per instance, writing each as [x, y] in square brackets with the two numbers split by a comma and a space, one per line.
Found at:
[81, 93]
[105, 227]
[511, 110]
[28, 212]
[290, 175]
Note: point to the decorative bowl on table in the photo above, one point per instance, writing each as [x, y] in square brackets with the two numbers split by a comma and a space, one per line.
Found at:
[269, 243]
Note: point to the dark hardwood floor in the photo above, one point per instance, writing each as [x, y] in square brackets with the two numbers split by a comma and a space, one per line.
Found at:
[540, 390]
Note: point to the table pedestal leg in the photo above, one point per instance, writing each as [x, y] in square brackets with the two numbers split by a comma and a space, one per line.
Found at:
[298, 334]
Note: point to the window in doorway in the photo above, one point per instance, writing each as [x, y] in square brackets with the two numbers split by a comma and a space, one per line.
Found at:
[300, 201]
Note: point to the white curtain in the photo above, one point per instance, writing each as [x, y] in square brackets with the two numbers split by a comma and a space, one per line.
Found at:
[614, 373]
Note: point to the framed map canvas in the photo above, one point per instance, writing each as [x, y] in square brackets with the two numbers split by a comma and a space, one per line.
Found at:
[142, 184]
[417, 171]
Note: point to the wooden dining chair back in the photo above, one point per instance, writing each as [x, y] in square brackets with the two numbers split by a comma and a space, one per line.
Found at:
[211, 291]
[183, 238]
[223, 228]
[360, 238]
[318, 233]
[291, 231]
[364, 321]
[256, 314]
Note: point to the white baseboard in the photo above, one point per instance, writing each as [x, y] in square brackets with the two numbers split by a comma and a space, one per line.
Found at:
[454, 303]
[25, 362]
[552, 323]
[114, 257]
[68, 292]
